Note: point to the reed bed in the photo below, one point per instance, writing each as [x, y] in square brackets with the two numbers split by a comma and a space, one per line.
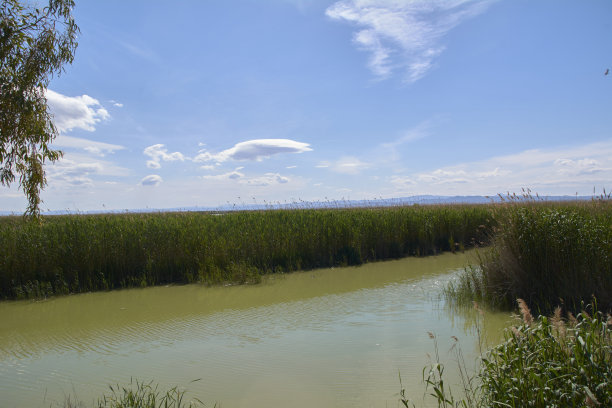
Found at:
[551, 361]
[548, 254]
[80, 253]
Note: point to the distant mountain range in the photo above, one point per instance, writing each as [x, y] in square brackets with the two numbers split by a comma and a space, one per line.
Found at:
[380, 202]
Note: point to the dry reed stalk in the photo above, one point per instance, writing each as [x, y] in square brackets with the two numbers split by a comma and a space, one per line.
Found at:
[558, 322]
[572, 319]
[525, 312]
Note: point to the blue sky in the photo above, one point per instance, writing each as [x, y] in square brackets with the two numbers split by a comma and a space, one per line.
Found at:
[201, 103]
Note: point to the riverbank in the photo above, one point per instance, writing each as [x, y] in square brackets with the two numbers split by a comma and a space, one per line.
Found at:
[549, 254]
[82, 253]
[553, 258]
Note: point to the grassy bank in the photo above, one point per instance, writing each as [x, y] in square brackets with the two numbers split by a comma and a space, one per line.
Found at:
[546, 253]
[79, 253]
[551, 361]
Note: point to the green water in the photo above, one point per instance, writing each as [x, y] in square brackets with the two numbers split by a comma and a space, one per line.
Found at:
[326, 338]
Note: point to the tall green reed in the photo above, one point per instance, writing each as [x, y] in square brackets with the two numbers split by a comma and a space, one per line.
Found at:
[546, 253]
[78, 253]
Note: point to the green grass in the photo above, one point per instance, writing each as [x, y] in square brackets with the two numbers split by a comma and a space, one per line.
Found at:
[546, 253]
[80, 253]
[544, 362]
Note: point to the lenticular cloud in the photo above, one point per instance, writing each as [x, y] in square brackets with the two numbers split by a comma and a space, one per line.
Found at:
[255, 150]
[151, 180]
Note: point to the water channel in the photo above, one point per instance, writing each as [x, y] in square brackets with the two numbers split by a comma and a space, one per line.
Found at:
[325, 338]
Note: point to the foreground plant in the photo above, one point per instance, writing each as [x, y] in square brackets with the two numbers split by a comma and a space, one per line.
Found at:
[544, 362]
[141, 395]
[36, 43]
[549, 362]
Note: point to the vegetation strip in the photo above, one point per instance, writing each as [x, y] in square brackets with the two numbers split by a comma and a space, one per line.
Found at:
[80, 253]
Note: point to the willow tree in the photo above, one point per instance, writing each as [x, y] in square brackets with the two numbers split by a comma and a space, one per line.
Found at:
[35, 45]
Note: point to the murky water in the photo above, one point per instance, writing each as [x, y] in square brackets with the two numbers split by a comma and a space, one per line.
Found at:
[326, 338]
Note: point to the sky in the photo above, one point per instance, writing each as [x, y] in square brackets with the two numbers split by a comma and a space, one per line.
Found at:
[205, 103]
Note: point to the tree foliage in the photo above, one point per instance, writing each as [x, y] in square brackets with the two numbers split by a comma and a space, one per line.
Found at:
[35, 45]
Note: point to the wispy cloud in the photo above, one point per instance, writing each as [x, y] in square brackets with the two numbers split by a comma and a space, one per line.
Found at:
[403, 35]
[77, 170]
[90, 146]
[255, 150]
[157, 153]
[419, 132]
[345, 165]
[75, 112]
[139, 50]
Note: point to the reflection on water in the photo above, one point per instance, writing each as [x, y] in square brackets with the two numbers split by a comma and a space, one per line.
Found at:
[333, 337]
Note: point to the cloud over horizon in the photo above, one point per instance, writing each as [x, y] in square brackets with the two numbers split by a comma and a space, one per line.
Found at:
[77, 170]
[543, 170]
[403, 35]
[265, 180]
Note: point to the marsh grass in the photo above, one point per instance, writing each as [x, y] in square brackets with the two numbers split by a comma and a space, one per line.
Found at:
[544, 362]
[549, 254]
[80, 253]
[139, 394]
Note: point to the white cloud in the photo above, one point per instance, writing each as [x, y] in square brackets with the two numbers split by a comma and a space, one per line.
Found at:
[548, 171]
[403, 35]
[580, 167]
[116, 104]
[257, 149]
[152, 164]
[232, 175]
[95, 148]
[402, 181]
[151, 180]
[265, 180]
[157, 153]
[78, 169]
[75, 112]
[349, 165]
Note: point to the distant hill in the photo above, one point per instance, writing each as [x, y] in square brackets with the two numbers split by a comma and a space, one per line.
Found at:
[380, 202]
